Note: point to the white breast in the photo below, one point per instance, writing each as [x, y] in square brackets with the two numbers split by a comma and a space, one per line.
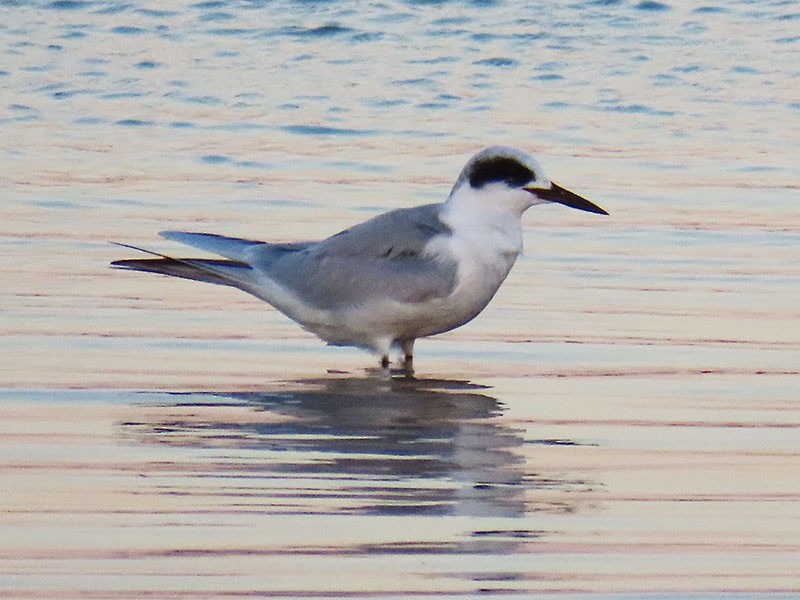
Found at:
[485, 243]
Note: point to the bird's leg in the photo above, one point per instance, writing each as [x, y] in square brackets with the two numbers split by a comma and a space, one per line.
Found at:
[408, 355]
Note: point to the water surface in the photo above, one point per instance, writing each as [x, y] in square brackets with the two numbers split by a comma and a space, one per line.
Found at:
[621, 421]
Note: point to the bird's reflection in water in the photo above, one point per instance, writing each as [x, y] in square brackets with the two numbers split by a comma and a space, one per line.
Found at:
[370, 445]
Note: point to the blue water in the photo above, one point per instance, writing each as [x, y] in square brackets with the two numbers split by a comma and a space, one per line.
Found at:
[611, 78]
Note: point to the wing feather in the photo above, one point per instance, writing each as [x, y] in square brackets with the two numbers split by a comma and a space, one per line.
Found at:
[385, 257]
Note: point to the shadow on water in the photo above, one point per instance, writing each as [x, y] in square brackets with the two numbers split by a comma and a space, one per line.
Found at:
[368, 445]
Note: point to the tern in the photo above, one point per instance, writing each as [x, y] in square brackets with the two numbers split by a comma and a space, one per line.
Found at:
[402, 275]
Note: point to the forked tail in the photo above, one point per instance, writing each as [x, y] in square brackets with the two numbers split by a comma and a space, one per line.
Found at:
[220, 272]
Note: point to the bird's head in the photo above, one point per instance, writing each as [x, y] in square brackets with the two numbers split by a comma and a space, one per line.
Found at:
[514, 180]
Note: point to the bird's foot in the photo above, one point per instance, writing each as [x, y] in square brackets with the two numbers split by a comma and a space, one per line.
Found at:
[405, 365]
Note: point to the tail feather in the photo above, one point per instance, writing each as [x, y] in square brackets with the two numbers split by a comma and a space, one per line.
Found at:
[220, 272]
[197, 270]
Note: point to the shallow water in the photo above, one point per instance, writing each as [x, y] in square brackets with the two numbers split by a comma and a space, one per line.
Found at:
[622, 419]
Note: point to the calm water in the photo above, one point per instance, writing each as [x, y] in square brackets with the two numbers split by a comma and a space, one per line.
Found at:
[622, 421]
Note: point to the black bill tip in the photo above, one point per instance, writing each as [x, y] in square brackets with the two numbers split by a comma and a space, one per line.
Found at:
[563, 196]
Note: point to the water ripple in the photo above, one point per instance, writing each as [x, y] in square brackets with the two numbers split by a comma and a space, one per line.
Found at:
[315, 130]
[650, 5]
[68, 4]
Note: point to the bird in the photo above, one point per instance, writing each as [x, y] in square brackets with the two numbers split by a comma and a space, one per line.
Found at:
[402, 275]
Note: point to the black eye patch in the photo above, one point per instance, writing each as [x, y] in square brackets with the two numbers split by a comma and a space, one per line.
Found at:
[500, 169]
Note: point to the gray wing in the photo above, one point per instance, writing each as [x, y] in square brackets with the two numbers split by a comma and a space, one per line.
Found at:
[381, 258]
[405, 231]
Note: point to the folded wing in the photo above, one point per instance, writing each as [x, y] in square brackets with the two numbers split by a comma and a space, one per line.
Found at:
[384, 258]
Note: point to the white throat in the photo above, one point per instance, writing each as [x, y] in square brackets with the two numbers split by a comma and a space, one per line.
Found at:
[488, 218]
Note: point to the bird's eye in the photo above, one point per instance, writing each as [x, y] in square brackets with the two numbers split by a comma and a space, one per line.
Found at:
[500, 169]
